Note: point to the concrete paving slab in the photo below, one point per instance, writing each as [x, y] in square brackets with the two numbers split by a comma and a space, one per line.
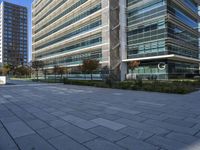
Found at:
[76, 133]
[131, 144]
[129, 120]
[18, 129]
[65, 143]
[136, 133]
[37, 124]
[109, 124]
[108, 134]
[100, 144]
[48, 132]
[6, 142]
[33, 142]
[79, 122]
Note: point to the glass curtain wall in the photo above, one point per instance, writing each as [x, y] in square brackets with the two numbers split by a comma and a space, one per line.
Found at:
[163, 27]
[146, 28]
[65, 38]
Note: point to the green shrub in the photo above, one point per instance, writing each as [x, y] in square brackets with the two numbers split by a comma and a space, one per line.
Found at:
[86, 83]
[124, 85]
[48, 80]
[109, 82]
[178, 87]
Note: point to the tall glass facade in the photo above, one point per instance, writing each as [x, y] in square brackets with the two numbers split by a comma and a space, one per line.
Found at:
[14, 34]
[163, 32]
[67, 32]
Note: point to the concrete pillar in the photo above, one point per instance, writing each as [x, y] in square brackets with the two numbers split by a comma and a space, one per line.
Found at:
[123, 38]
[105, 32]
[199, 32]
[1, 33]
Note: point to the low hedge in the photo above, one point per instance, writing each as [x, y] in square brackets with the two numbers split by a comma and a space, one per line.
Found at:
[86, 83]
[153, 86]
[48, 80]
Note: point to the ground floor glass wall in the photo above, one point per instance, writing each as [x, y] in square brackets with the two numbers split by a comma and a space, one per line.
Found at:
[165, 69]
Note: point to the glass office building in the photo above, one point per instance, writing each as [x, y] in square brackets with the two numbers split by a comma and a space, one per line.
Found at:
[163, 35]
[67, 32]
[13, 34]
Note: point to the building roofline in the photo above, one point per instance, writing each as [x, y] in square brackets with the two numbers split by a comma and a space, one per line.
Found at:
[35, 1]
[197, 1]
[4, 1]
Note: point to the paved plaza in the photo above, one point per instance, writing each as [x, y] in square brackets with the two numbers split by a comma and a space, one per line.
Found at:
[37, 116]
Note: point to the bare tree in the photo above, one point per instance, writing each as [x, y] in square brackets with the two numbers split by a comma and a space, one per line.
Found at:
[45, 73]
[105, 71]
[55, 70]
[132, 65]
[89, 66]
[22, 70]
[61, 71]
[37, 65]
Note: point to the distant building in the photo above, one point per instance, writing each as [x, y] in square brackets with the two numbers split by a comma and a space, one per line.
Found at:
[13, 34]
[161, 34]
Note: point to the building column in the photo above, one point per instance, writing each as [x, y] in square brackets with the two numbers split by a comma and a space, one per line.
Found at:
[123, 38]
[1, 33]
[105, 33]
[199, 32]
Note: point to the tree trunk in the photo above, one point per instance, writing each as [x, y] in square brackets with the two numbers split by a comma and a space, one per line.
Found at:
[91, 77]
[37, 75]
[45, 75]
[131, 74]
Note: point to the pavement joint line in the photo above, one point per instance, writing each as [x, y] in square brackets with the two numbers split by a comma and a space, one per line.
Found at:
[196, 133]
[32, 129]
[114, 142]
[121, 138]
[55, 129]
[93, 139]
[57, 102]
[145, 140]
[10, 135]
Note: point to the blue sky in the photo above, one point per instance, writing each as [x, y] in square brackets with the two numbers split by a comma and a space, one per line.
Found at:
[26, 3]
